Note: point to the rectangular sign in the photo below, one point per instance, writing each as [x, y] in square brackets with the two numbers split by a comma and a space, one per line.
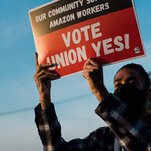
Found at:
[67, 33]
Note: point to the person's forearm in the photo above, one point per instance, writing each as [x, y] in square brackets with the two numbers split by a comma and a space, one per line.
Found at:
[124, 123]
[45, 102]
[101, 94]
[49, 130]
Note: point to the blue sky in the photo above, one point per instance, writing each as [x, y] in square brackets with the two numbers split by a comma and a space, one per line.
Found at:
[18, 90]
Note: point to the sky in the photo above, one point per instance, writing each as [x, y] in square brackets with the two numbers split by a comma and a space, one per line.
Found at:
[73, 100]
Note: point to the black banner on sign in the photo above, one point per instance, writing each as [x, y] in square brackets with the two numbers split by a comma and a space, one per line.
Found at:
[64, 13]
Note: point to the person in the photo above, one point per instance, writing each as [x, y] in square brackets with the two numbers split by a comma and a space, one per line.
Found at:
[123, 111]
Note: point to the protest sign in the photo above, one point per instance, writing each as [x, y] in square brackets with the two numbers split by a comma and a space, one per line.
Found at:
[67, 33]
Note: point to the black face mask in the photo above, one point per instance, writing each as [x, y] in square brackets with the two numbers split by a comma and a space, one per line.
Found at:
[133, 97]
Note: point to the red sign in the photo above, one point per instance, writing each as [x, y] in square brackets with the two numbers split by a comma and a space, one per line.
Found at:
[68, 33]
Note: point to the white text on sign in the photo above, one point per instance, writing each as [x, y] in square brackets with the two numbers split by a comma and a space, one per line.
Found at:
[86, 33]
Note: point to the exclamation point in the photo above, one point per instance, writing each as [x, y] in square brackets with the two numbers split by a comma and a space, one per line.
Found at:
[127, 44]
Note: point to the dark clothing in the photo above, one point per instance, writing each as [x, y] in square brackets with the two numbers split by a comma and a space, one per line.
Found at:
[122, 123]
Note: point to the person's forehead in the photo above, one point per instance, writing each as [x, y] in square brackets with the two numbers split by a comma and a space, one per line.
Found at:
[126, 73]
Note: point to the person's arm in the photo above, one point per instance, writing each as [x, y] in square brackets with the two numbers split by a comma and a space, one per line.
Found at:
[131, 132]
[93, 73]
[46, 120]
[43, 78]
[50, 133]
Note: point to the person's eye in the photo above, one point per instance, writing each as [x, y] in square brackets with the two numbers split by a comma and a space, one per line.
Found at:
[133, 82]
[117, 85]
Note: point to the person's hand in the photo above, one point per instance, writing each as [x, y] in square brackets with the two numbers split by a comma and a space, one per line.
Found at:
[93, 72]
[43, 78]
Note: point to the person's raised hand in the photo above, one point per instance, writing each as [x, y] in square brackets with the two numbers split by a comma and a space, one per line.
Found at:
[93, 72]
[43, 78]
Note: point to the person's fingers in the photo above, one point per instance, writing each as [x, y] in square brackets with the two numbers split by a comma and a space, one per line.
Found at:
[91, 61]
[45, 67]
[86, 73]
[36, 59]
[40, 67]
[91, 72]
[46, 73]
[48, 77]
[90, 67]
